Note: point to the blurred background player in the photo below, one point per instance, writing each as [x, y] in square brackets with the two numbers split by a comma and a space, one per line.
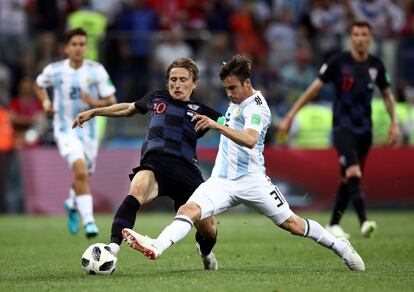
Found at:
[168, 165]
[238, 176]
[78, 84]
[354, 75]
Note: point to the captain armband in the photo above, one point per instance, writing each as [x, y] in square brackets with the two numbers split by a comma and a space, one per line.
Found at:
[221, 121]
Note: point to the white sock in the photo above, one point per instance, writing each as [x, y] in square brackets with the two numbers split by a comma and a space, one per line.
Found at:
[85, 208]
[71, 200]
[319, 234]
[114, 247]
[174, 232]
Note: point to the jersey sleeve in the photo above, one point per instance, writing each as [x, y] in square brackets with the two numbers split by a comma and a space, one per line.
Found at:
[382, 79]
[144, 103]
[328, 70]
[105, 86]
[256, 117]
[209, 112]
[45, 79]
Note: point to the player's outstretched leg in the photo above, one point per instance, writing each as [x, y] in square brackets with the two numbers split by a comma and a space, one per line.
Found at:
[350, 257]
[152, 248]
[141, 243]
[341, 246]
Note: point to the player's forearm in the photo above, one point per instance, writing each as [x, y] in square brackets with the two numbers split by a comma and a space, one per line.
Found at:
[41, 93]
[113, 111]
[306, 97]
[244, 138]
[390, 105]
[107, 101]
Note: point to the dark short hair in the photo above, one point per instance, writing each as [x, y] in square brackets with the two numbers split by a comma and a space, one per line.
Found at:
[186, 63]
[360, 23]
[74, 32]
[239, 66]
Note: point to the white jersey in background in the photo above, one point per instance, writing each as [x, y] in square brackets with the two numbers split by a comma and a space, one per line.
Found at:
[67, 84]
[233, 160]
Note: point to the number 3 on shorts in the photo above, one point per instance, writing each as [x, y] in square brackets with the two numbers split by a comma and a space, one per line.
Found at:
[277, 195]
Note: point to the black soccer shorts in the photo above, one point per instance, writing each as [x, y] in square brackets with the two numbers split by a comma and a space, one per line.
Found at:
[351, 148]
[177, 178]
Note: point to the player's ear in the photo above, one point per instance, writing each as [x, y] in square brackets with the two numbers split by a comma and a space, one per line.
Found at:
[247, 83]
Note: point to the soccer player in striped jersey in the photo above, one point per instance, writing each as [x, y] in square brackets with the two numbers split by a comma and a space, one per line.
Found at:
[168, 165]
[239, 176]
[78, 84]
[355, 75]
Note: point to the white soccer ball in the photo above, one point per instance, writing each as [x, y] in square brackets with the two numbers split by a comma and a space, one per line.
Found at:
[99, 260]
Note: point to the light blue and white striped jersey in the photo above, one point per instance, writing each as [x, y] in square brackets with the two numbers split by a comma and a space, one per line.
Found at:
[233, 160]
[67, 84]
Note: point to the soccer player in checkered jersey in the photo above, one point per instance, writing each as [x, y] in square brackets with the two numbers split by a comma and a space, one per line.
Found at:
[354, 75]
[168, 165]
[78, 84]
[238, 176]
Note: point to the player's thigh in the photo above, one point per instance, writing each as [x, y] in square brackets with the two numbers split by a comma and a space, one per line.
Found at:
[70, 148]
[262, 195]
[144, 186]
[214, 196]
[346, 146]
[364, 145]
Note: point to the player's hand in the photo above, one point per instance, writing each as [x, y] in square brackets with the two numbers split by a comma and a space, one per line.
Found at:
[285, 125]
[394, 134]
[203, 122]
[81, 118]
[48, 107]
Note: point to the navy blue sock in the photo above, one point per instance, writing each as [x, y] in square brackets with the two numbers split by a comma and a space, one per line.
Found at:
[124, 218]
[354, 187]
[206, 244]
[341, 203]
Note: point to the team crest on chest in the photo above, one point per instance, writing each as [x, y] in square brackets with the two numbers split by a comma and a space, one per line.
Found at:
[194, 107]
[237, 112]
[373, 72]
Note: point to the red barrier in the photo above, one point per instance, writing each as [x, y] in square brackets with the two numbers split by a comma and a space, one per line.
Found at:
[46, 179]
[308, 177]
[387, 180]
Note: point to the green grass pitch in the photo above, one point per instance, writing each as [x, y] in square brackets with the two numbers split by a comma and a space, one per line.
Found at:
[37, 253]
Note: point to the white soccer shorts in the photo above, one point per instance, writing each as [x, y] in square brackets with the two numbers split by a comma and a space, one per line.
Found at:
[71, 148]
[254, 190]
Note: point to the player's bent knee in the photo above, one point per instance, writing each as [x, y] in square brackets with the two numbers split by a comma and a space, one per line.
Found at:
[353, 170]
[191, 210]
[81, 175]
[294, 225]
